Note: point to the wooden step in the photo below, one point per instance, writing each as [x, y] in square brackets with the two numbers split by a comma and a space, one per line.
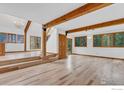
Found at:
[21, 65]
[14, 61]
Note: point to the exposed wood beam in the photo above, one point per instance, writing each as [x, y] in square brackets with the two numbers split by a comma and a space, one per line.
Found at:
[85, 9]
[99, 25]
[44, 41]
[25, 34]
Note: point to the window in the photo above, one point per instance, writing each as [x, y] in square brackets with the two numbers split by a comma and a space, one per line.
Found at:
[11, 38]
[20, 39]
[35, 42]
[77, 41]
[81, 41]
[3, 37]
[97, 40]
[119, 39]
[109, 40]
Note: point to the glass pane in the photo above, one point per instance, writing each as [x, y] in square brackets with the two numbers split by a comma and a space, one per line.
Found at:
[38, 42]
[69, 43]
[20, 39]
[12, 38]
[77, 41]
[3, 37]
[84, 41]
[111, 40]
[105, 40]
[35, 42]
[119, 39]
[32, 42]
[97, 40]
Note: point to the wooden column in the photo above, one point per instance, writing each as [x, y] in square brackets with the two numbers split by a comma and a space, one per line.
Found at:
[2, 49]
[25, 35]
[44, 41]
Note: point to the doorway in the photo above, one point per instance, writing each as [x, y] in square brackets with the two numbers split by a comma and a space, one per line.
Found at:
[69, 46]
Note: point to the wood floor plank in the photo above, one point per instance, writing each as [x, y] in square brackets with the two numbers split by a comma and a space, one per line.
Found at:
[75, 70]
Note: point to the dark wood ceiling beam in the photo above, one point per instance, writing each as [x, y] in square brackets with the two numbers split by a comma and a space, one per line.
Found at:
[99, 25]
[85, 9]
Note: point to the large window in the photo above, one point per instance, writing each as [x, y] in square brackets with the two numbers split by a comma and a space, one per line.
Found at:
[35, 42]
[81, 41]
[109, 40]
[11, 38]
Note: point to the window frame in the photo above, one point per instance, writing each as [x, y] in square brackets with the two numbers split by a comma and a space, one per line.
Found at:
[113, 46]
[35, 38]
[16, 39]
[80, 41]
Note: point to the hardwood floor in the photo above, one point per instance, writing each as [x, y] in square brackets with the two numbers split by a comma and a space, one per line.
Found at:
[75, 70]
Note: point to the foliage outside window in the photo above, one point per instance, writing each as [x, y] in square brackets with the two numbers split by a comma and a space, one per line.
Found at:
[109, 40]
[81, 41]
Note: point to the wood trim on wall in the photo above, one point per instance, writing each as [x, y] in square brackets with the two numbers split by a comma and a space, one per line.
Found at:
[97, 56]
[85, 9]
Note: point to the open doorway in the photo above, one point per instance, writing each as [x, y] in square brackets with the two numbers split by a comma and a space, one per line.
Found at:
[69, 46]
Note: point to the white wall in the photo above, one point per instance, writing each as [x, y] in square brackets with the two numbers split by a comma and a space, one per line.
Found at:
[34, 30]
[90, 50]
[52, 43]
[7, 25]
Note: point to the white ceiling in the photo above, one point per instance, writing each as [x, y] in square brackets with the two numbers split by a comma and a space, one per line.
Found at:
[45, 12]
[38, 12]
[109, 13]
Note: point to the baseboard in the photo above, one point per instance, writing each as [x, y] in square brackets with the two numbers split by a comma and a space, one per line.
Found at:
[98, 56]
[16, 51]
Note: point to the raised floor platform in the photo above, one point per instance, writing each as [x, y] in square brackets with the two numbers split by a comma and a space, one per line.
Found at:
[16, 61]
[19, 55]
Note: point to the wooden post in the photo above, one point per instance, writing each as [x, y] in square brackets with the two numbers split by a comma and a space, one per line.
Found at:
[25, 35]
[25, 41]
[44, 41]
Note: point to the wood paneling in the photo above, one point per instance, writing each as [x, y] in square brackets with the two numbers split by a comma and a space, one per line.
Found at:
[25, 34]
[87, 8]
[2, 49]
[62, 46]
[99, 25]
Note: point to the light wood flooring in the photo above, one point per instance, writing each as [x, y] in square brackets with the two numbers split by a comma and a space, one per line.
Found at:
[75, 70]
